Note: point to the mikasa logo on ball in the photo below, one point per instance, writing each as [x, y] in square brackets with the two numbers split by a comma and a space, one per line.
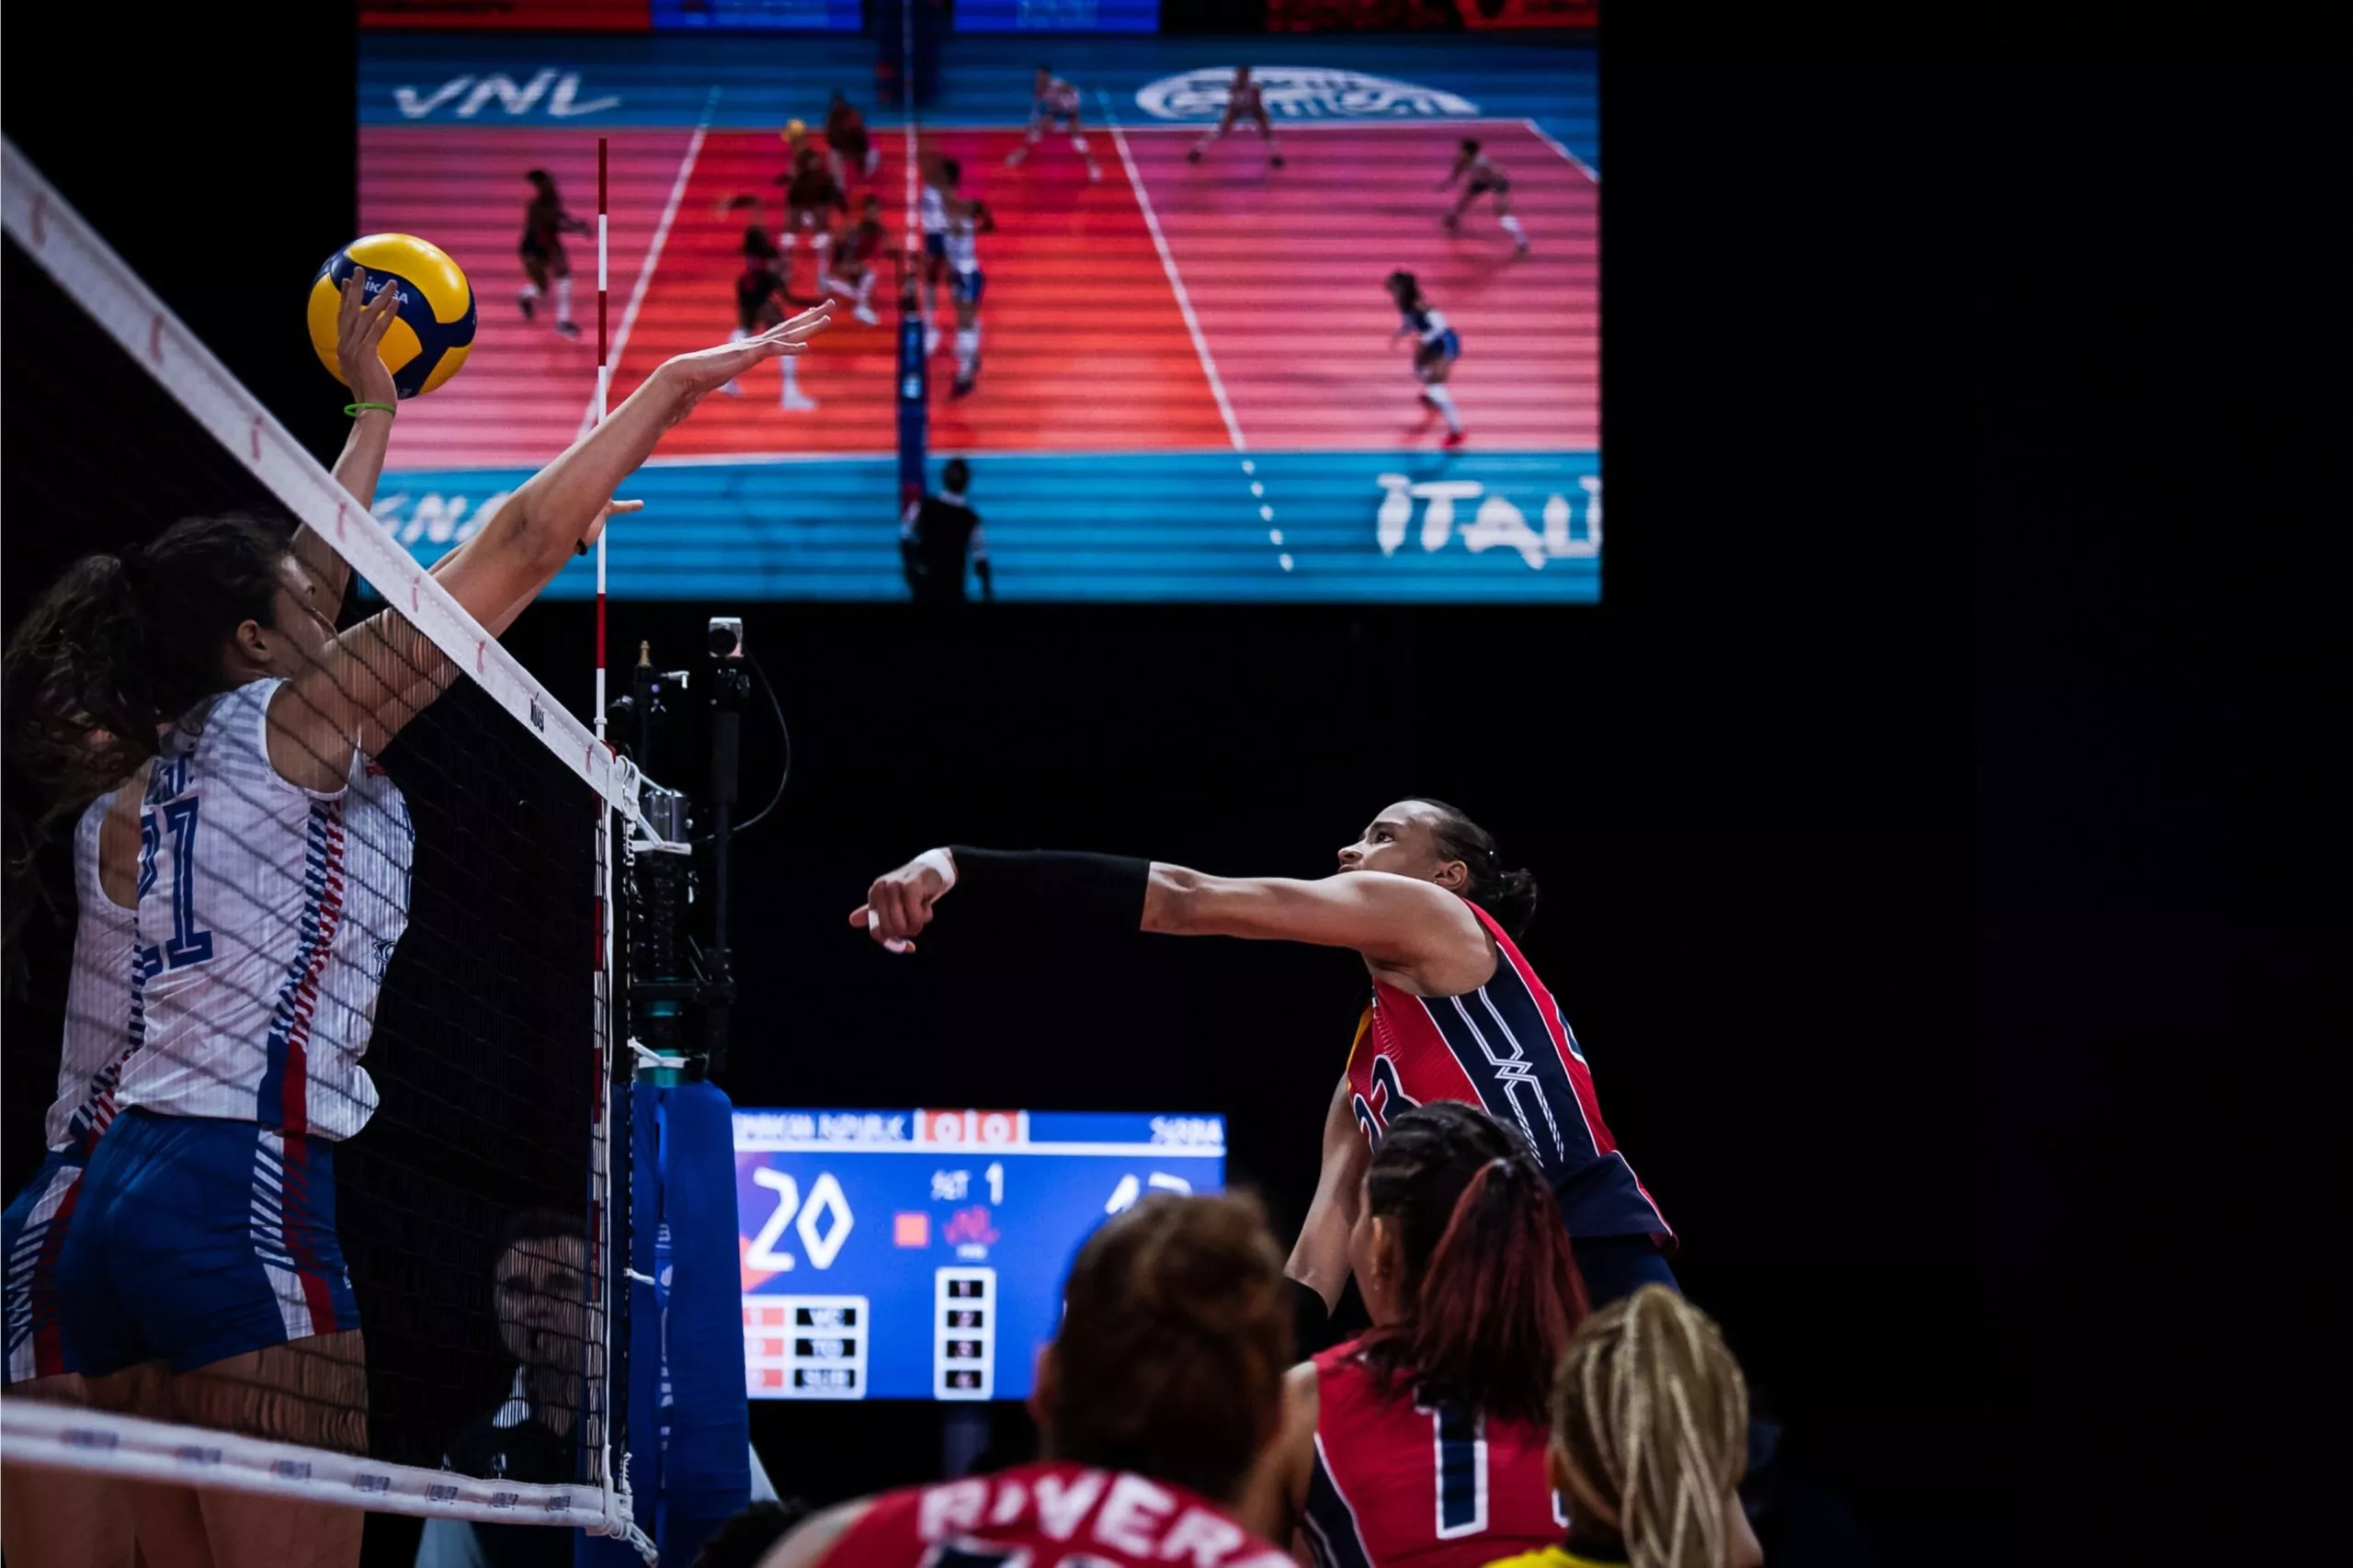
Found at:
[1300, 92]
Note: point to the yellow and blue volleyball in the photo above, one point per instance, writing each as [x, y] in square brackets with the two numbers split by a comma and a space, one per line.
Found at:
[434, 330]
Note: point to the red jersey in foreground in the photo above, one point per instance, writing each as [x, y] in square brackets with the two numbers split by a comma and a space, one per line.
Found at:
[1041, 1516]
[1401, 1484]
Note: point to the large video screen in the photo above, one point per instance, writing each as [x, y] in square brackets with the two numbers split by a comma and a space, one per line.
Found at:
[1189, 381]
[920, 1253]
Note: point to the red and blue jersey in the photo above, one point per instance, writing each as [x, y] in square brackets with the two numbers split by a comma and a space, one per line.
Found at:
[1399, 1483]
[1505, 1049]
[1049, 1515]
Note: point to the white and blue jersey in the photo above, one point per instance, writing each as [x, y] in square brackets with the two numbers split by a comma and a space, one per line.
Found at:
[271, 912]
[1428, 326]
[101, 1011]
[1057, 106]
[964, 258]
[267, 914]
[931, 216]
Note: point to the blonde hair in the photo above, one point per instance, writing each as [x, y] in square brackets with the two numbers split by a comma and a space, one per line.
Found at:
[1651, 1412]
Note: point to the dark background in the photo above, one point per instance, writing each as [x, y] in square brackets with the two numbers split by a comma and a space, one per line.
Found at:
[1945, 900]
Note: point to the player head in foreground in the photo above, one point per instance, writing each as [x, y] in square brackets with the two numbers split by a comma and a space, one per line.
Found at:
[1157, 1397]
[1464, 1265]
[263, 857]
[1650, 1434]
[1457, 1014]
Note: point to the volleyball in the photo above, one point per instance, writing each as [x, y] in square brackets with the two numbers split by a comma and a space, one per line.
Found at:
[793, 130]
[434, 330]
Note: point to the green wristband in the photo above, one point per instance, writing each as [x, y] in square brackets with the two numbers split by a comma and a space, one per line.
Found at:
[355, 409]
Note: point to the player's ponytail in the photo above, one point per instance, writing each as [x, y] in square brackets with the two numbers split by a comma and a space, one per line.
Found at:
[1491, 1291]
[122, 644]
[1508, 893]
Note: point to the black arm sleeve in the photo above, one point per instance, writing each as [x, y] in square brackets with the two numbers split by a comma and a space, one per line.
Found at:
[1311, 1320]
[1052, 888]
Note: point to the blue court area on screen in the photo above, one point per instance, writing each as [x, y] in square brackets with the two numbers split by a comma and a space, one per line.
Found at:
[921, 1254]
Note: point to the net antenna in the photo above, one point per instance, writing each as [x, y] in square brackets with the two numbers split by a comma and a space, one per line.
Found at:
[49, 233]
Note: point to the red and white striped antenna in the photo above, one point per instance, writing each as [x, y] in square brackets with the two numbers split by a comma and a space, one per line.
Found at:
[604, 397]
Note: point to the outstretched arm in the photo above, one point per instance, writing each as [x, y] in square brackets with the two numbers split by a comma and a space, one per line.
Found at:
[1399, 924]
[370, 680]
[1319, 1260]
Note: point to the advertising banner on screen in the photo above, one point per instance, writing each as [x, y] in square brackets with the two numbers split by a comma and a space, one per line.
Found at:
[1478, 15]
[510, 16]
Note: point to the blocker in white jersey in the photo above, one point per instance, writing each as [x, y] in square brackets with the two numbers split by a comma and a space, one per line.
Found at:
[274, 910]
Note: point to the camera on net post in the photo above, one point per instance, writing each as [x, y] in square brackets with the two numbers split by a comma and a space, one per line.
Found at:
[671, 973]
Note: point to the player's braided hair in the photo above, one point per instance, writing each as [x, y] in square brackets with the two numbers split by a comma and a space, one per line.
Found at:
[1508, 894]
[1652, 1414]
[1492, 1292]
[1171, 1355]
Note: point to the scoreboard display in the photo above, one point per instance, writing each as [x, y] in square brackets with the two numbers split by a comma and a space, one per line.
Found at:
[921, 1254]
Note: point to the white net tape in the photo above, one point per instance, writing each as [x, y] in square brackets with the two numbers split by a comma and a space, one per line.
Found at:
[89, 271]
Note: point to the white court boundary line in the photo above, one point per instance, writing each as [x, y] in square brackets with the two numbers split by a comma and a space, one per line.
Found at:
[1168, 266]
[1553, 142]
[652, 255]
[64, 1437]
[1193, 325]
[158, 342]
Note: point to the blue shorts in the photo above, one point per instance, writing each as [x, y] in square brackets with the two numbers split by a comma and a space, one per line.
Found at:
[966, 287]
[936, 247]
[196, 1240]
[31, 1236]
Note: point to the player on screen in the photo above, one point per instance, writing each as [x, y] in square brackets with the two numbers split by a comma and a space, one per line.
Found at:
[202, 1280]
[1162, 1386]
[850, 152]
[1485, 180]
[1437, 345]
[858, 259]
[760, 301]
[967, 221]
[545, 222]
[1053, 105]
[1424, 898]
[939, 178]
[812, 197]
[1422, 1442]
[1244, 99]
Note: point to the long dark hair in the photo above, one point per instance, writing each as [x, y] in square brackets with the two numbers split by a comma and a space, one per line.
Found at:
[1507, 895]
[1176, 1333]
[123, 644]
[1493, 1292]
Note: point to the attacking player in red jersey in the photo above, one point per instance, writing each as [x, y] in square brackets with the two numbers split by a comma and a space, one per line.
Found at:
[1457, 1014]
[858, 257]
[545, 263]
[1154, 1402]
[1421, 1444]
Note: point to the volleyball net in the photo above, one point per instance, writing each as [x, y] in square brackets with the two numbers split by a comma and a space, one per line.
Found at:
[412, 1134]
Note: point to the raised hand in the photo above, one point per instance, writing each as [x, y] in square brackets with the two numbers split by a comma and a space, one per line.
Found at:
[693, 377]
[359, 335]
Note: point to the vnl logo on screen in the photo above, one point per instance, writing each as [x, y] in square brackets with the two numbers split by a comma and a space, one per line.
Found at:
[1301, 92]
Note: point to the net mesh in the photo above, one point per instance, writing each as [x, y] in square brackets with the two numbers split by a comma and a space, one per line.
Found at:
[400, 851]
